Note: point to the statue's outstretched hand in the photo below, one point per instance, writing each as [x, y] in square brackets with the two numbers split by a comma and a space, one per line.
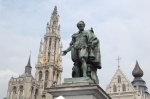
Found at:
[64, 52]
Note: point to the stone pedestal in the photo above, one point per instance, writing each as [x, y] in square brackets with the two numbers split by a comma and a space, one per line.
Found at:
[78, 88]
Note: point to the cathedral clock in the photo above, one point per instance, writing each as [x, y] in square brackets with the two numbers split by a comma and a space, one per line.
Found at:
[44, 59]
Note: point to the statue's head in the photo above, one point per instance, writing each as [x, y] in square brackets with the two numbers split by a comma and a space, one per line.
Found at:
[81, 25]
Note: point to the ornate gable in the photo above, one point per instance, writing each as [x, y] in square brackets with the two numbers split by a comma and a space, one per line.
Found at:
[119, 84]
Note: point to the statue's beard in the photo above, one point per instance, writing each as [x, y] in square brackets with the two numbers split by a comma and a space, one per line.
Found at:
[81, 29]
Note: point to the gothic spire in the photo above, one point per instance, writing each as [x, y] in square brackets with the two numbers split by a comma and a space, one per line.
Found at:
[28, 67]
[137, 71]
[28, 64]
[55, 10]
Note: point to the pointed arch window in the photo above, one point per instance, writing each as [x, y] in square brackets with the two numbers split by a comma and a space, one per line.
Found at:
[46, 74]
[50, 41]
[53, 74]
[45, 84]
[123, 87]
[40, 75]
[55, 43]
[114, 88]
[14, 96]
[43, 97]
[36, 94]
[21, 92]
[14, 90]
[119, 79]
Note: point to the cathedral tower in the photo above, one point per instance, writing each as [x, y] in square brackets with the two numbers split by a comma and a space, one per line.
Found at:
[48, 67]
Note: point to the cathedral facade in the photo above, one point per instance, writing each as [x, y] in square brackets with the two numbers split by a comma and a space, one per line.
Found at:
[121, 88]
[48, 67]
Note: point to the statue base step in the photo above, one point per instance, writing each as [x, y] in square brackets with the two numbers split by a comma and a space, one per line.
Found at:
[78, 80]
[78, 88]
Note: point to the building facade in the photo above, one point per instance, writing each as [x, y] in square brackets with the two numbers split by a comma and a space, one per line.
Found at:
[48, 67]
[121, 88]
[23, 87]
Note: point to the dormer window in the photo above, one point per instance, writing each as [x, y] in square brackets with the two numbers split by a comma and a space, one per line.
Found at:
[123, 87]
[114, 88]
[119, 79]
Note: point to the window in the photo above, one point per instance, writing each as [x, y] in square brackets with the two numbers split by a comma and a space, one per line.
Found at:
[50, 41]
[123, 87]
[46, 74]
[43, 97]
[21, 88]
[21, 92]
[55, 43]
[114, 88]
[45, 84]
[14, 96]
[53, 74]
[40, 75]
[36, 94]
[14, 90]
[119, 79]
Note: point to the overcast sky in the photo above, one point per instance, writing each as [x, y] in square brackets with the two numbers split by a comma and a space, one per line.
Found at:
[122, 26]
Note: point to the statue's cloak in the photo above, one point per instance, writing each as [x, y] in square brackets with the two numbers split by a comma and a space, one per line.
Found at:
[94, 57]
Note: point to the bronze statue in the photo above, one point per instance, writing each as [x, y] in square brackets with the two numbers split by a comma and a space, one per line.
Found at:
[85, 53]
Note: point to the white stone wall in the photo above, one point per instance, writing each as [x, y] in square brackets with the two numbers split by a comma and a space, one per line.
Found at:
[26, 82]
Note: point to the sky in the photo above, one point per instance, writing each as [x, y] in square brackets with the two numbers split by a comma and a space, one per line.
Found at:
[122, 26]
